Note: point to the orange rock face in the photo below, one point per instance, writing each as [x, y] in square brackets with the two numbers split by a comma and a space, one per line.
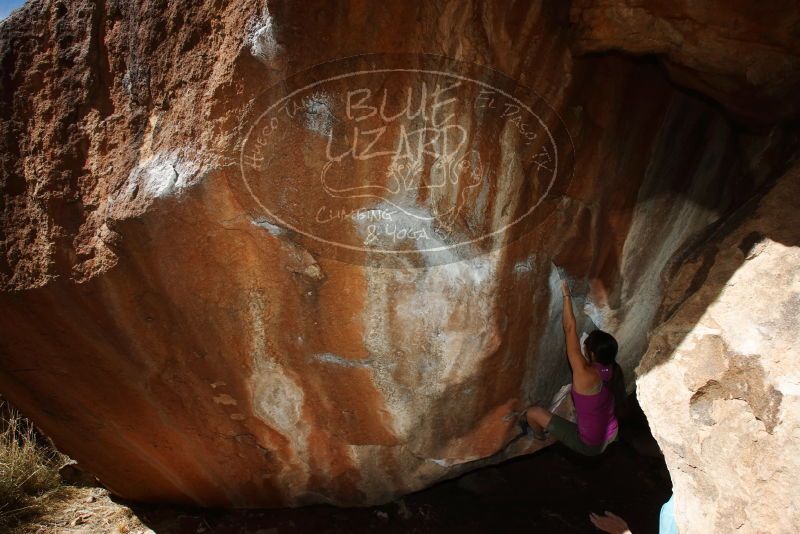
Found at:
[240, 270]
[743, 54]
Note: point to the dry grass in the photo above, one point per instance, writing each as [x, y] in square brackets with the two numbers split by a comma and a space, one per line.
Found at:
[33, 499]
[76, 510]
[27, 468]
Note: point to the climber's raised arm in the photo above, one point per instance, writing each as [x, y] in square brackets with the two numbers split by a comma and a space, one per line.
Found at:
[577, 362]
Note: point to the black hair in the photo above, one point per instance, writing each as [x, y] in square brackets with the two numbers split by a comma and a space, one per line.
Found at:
[603, 346]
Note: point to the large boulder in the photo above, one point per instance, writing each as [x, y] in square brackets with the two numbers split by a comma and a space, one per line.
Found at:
[194, 306]
[720, 382]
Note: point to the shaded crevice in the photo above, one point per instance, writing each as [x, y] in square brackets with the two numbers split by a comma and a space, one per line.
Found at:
[102, 65]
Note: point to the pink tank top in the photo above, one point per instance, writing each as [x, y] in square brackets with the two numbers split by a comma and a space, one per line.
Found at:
[595, 413]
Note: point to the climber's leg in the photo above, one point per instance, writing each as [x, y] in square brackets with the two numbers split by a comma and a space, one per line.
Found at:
[567, 433]
[539, 419]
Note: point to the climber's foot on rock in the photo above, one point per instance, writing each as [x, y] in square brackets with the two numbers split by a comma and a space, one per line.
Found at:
[522, 421]
[534, 431]
[528, 430]
[539, 435]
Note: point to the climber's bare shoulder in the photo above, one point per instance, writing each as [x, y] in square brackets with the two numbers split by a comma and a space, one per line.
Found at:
[585, 381]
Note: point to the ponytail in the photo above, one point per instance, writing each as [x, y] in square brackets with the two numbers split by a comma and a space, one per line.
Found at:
[617, 387]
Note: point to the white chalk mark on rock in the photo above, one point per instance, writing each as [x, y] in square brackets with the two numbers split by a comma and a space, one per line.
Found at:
[273, 229]
[261, 39]
[335, 359]
[317, 113]
[225, 400]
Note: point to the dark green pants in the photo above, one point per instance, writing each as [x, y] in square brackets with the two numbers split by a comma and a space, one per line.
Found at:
[567, 433]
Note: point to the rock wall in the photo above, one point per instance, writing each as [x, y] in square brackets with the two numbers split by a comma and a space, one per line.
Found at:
[724, 358]
[183, 343]
[745, 55]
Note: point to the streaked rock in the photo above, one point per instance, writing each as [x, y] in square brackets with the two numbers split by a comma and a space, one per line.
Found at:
[185, 346]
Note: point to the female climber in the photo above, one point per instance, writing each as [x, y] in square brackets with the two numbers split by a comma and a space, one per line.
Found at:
[595, 384]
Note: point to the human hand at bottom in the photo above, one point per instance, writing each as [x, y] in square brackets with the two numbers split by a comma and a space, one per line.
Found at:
[613, 524]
